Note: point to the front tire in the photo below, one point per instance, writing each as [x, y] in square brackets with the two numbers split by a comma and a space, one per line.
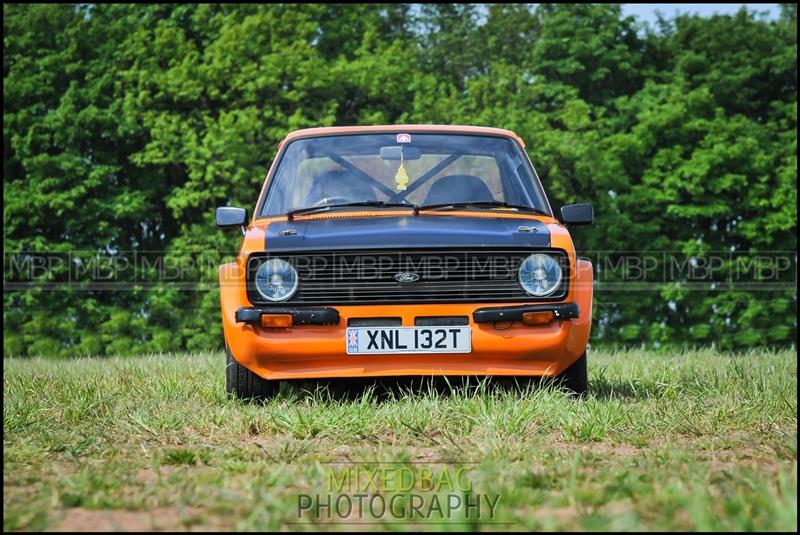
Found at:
[576, 378]
[244, 384]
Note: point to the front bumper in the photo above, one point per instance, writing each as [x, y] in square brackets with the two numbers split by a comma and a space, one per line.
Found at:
[300, 316]
[561, 311]
[330, 315]
[314, 347]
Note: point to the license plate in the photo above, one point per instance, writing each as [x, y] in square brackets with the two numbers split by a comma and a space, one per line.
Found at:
[366, 340]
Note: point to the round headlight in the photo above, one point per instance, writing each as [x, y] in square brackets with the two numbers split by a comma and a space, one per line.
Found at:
[276, 280]
[540, 274]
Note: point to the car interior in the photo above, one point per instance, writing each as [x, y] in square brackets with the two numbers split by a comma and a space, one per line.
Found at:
[458, 188]
[345, 186]
[339, 184]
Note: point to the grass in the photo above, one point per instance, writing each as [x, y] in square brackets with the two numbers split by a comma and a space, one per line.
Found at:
[694, 440]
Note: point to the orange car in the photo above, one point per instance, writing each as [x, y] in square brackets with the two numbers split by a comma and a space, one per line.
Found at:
[404, 250]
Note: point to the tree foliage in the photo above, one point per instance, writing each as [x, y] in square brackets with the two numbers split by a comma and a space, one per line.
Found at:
[125, 125]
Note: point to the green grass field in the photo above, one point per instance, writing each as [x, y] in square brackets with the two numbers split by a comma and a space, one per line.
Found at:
[666, 441]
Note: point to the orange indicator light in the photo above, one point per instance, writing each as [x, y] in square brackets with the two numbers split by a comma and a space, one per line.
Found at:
[276, 320]
[537, 318]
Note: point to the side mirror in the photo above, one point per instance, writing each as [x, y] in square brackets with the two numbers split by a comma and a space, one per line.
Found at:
[229, 217]
[577, 214]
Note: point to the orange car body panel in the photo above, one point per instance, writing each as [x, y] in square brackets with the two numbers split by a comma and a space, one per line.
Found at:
[317, 351]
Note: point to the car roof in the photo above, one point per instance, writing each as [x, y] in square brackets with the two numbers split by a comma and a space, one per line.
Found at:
[401, 128]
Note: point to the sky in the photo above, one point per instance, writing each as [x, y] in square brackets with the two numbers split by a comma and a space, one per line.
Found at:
[647, 12]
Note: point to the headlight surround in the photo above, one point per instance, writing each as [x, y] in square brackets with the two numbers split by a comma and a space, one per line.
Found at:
[276, 280]
[540, 274]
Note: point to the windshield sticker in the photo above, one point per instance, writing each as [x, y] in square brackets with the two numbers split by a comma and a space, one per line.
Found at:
[404, 138]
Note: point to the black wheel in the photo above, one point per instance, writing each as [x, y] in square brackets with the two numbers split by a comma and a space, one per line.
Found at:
[244, 384]
[576, 378]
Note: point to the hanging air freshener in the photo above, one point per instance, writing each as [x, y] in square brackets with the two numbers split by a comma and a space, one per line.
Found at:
[401, 178]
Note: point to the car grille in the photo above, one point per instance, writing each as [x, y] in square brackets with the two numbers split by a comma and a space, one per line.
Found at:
[365, 277]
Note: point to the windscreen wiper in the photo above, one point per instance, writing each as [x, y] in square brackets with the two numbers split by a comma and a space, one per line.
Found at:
[378, 204]
[480, 204]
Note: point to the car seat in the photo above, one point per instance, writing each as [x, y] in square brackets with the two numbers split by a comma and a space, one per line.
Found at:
[458, 188]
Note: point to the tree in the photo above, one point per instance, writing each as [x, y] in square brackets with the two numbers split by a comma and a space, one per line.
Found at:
[125, 125]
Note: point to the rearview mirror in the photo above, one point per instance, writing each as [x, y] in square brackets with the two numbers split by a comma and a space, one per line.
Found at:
[577, 214]
[229, 217]
[393, 153]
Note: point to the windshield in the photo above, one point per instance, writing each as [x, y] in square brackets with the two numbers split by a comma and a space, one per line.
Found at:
[418, 169]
